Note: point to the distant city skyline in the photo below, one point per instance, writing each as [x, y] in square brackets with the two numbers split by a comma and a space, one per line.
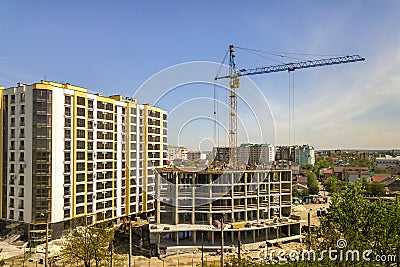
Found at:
[115, 48]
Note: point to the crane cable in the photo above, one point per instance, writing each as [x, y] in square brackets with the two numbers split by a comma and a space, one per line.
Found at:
[215, 96]
[291, 104]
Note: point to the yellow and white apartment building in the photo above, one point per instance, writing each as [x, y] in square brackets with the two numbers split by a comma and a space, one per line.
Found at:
[67, 153]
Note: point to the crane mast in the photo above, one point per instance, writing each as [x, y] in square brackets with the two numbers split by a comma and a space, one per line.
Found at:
[234, 83]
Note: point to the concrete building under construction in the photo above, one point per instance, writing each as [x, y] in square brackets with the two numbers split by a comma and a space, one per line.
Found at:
[254, 205]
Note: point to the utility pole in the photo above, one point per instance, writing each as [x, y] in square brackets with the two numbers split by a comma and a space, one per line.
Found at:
[222, 241]
[46, 256]
[239, 244]
[111, 253]
[309, 229]
[202, 249]
[130, 242]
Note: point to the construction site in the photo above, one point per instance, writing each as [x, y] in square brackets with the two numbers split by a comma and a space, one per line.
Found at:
[253, 206]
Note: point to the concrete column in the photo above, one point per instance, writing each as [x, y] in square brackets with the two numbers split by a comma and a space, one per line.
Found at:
[177, 238]
[194, 237]
[258, 195]
[254, 236]
[158, 187]
[176, 195]
[245, 197]
[232, 198]
[212, 238]
[193, 201]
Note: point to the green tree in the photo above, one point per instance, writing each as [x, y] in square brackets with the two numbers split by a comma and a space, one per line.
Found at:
[89, 245]
[364, 225]
[374, 189]
[331, 184]
[312, 182]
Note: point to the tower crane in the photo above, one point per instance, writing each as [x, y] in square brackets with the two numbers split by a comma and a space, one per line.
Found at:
[234, 83]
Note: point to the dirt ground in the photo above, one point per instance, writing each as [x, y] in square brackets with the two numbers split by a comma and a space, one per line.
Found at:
[303, 210]
[15, 257]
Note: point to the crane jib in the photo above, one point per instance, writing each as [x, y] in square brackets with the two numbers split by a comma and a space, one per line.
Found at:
[294, 66]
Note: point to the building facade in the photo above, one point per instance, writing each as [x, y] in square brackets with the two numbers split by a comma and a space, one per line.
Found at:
[193, 155]
[387, 162]
[304, 154]
[177, 153]
[256, 153]
[67, 153]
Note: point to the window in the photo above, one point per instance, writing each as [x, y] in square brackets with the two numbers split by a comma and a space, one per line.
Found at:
[100, 105]
[21, 133]
[21, 180]
[90, 103]
[12, 124]
[67, 145]
[68, 99]
[11, 192]
[79, 210]
[81, 122]
[21, 145]
[22, 110]
[22, 97]
[109, 106]
[22, 121]
[80, 100]
[80, 199]
[80, 166]
[12, 179]
[80, 155]
[81, 112]
[67, 111]
[21, 156]
[81, 144]
[12, 133]
[12, 110]
[81, 133]
[67, 134]
[12, 99]
[67, 122]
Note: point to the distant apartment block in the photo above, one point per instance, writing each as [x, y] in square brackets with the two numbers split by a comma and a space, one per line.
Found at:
[302, 154]
[221, 154]
[193, 155]
[387, 162]
[353, 174]
[177, 153]
[256, 153]
[284, 153]
[67, 153]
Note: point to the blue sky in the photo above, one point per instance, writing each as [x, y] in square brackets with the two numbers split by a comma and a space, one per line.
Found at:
[115, 46]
